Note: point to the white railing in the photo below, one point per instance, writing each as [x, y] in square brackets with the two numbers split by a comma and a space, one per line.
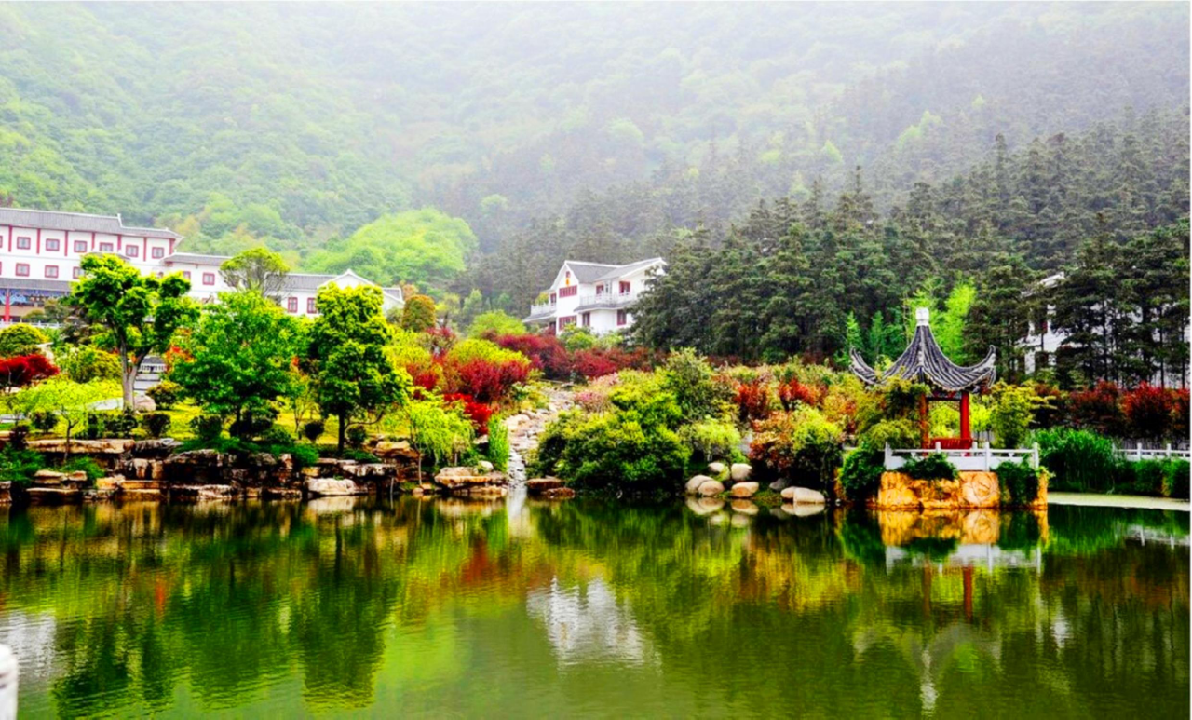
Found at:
[978, 457]
[541, 310]
[610, 300]
[33, 323]
[1138, 453]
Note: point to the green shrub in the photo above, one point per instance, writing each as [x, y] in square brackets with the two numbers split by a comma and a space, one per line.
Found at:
[166, 394]
[861, 473]
[1012, 413]
[356, 435]
[86, 363]
[712, 440]
[43, 421]
[116, 424]
[1019, 483]
[800, 444]
[690, 379]
[497, 451]
[19, 339]
[1175, 478]
[207, 427]
[1079, 460]
[252, 424]
[88, 465]
[313, 430]
[934, 466]
[895, 433]
[277, 435]
[304, 454]
[18, 465]
[155, 424]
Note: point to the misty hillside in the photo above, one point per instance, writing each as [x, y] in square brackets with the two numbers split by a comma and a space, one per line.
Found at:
[294, 125]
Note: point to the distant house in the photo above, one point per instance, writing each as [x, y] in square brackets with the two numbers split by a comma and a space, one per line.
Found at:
[40, 252]
[593, 295]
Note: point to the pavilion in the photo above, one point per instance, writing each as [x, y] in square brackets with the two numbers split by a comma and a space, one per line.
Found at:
[924, 362]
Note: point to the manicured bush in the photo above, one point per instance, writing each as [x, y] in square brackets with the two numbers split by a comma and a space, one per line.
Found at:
[895, 433]
[19, 339]
[545, 352]
[1175, 478]
[86, 363]
[1079, 460]
[1012, 413]
[861, 473]
[24, 370]
[43, 422]
[934, 466]
[356, 435]
[277, 435]
[156, 424]
[313, 430]
[621, 451]
[1019, 483]
[253, 424]
[165, 394]
[207, 427]
[792, 392]
[116, 424]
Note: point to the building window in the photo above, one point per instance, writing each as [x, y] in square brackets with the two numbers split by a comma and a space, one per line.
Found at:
[78, 272]
[186, 274]
[624, 285]
[159, 253]
[568, 291]
[53, 244]
[622, 317]
[311, 307]
[292, 304]
[553, 299]
[131, 250]
[106, 247]
[566, 322]
[81, 246]
[51, 271]
[600, 289]
[24, 243]
[587, 319]
[22, 270]
[208, 278]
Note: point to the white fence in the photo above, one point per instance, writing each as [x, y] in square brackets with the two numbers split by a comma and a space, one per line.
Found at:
[978, 457]
[1139, 453]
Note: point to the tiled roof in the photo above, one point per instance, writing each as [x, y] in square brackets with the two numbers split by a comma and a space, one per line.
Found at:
[81, 222]
[586, 272]
[923, 361]
[39, 284]
[196, 258]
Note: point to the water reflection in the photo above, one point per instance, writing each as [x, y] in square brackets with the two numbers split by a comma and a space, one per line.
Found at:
[475, 608]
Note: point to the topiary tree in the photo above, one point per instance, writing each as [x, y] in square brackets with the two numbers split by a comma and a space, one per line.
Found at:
[350, 369]
[418, 315]
[84, 363]
[134, 314]
[259, 270]
[21, 340]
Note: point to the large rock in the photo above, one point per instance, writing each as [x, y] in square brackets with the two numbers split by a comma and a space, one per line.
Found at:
[741, 472]
[463, 479]
[972, 490]
[54, 494]
[46, 476]
[744, 489]
[540, 486]
[144, 404]
[399, 449]
[711, 487]
[717, 467]
[692, 486]
[323, 487]
[803, 496]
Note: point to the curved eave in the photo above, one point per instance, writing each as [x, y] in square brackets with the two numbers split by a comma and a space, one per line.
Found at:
[923, 361]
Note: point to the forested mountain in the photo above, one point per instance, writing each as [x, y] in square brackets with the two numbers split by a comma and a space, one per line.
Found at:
[296, 124]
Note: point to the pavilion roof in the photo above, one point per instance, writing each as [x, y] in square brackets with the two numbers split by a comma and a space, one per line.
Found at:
[924, 361]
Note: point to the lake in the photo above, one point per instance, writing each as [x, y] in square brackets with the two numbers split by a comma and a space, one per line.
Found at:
[451, 608]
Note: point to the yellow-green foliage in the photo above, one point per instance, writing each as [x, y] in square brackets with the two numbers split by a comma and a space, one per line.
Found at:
[478, 349]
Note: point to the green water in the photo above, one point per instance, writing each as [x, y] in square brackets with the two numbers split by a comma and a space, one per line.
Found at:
[451, 609]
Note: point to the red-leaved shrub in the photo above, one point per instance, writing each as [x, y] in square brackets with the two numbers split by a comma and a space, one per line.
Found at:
[546, 352]
[1097, 408]
[1148, 410]
[485, 380]
[478, 412]
[753, 400]
[793, 392]
[25, 370]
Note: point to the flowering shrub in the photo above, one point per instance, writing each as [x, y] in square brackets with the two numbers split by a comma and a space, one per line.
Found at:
[592, 400]
[25, 370]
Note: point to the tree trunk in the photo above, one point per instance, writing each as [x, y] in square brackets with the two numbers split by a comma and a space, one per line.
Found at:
[127, 384]
[343, 429]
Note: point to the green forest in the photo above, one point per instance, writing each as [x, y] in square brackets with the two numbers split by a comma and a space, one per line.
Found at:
[903, 149]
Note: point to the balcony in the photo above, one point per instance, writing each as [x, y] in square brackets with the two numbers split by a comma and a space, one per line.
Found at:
[606, 300]
[541, 312]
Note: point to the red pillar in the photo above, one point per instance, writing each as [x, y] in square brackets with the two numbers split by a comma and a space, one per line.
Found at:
[965, 434]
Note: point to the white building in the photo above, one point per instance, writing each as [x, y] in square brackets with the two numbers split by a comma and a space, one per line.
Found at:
[595, 296]
[40, 252]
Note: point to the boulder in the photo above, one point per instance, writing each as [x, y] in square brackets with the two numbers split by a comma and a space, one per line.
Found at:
[716, 468]
[741, 472]
[144, 404]
[779, 485]
[711, 487]
[806, 496]
[46, 476]
[400, 449]
[487, 466]
[744, 489]
[692, 486]
[458, 479]
[540, 486]
[563, 493]
[787, 493]
[82, 447]
[323, 487]
[514, 422]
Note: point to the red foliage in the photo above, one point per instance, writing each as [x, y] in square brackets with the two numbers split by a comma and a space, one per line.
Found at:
[793, 392]
[478, 412]
[427, 380]
[595, 362]
[484, 380]
[442, 339]
[1097, 408]
[546, 352]
[1149, 411]
[1179, 413]
[25, 370]
[753, 401]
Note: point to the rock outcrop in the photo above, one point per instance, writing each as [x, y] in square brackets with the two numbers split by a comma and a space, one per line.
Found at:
[972, 490]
